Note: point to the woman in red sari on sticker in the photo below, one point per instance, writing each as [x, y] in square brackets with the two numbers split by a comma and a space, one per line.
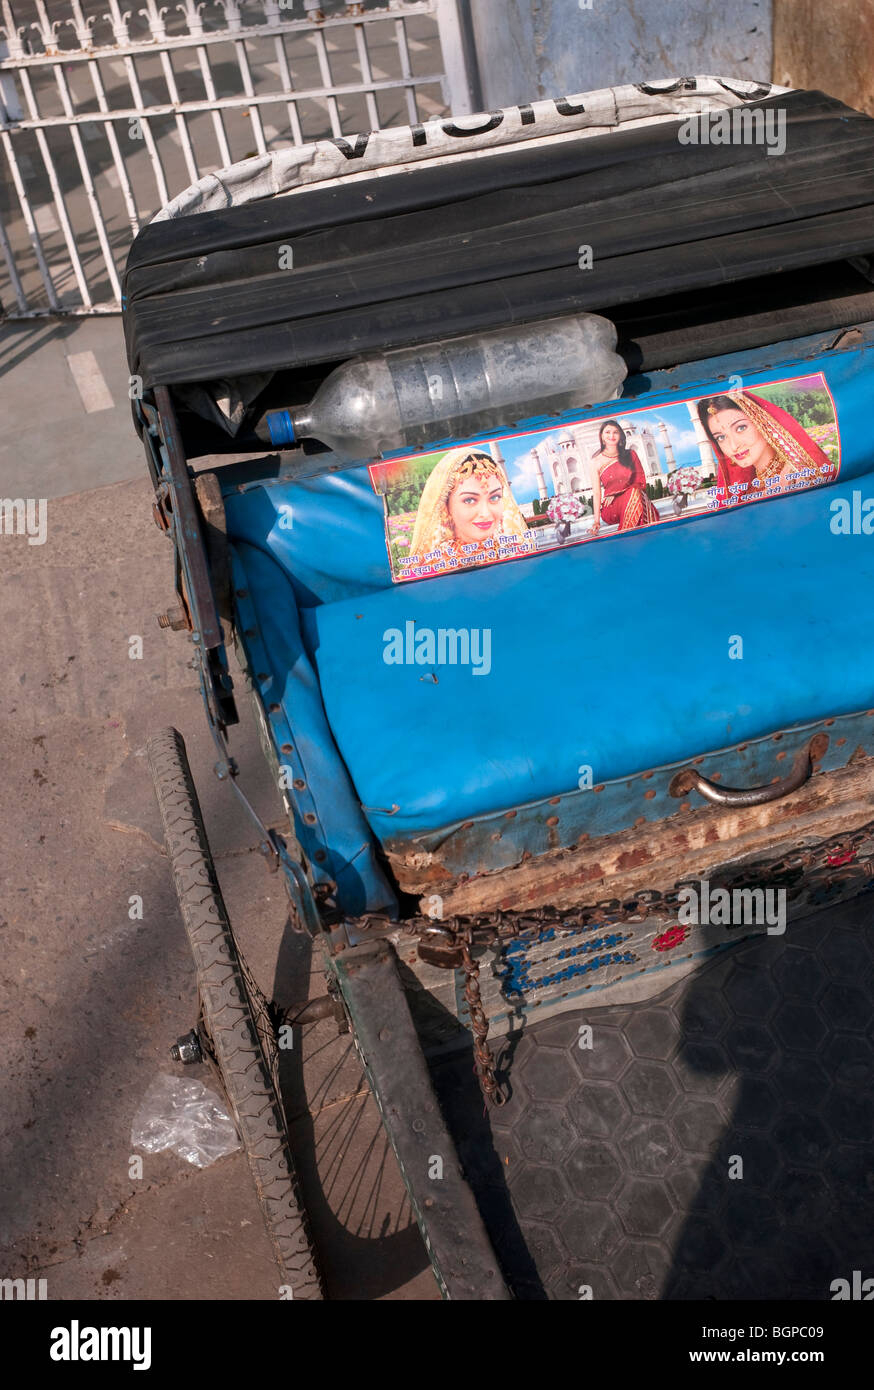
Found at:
[619, 483]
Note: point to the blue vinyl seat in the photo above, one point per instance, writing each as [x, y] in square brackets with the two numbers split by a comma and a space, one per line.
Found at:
[614, 655]
[628, 653]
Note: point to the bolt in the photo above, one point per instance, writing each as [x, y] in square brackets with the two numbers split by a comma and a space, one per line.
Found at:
[187, 1048]
[174, 618]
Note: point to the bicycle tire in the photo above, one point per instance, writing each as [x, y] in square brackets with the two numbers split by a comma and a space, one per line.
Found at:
[236, 1016]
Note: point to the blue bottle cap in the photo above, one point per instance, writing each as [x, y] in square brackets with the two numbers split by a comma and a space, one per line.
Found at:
[281, 428]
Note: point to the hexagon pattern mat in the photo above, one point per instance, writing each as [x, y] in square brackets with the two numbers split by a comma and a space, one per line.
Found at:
[610, 1168]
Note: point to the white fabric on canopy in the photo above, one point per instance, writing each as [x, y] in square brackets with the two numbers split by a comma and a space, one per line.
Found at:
[445, 139]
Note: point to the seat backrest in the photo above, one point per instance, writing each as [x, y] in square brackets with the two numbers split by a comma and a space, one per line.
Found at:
[328, 531]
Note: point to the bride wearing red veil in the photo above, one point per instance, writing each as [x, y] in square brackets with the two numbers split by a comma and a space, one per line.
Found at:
[755, 441]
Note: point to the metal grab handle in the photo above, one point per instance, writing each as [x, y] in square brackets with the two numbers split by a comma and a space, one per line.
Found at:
[802, 767]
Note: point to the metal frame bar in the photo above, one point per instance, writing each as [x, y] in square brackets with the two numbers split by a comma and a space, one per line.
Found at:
[462, 1256]
[199, 596]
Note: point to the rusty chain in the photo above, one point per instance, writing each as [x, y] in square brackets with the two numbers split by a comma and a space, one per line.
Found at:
[484, 1060]
[461, 933]
[810, 873]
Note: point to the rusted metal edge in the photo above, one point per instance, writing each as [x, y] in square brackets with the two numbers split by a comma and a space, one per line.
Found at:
[497, 840]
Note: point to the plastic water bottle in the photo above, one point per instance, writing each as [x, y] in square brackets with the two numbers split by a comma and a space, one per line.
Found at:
[412, 396]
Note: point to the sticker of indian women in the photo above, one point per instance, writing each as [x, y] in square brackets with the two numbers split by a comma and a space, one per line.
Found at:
[760, 447]
[467, 515]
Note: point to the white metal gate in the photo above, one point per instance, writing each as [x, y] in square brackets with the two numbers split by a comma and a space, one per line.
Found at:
[106, 115]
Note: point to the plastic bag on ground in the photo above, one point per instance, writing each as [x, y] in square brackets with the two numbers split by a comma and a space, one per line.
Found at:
[182, 1115]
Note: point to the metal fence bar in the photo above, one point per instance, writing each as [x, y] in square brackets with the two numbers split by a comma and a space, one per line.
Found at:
[58, 199]
[155, 18]
[122, 34]
[84, 168]
[232, 13]
[29, 222]
[115, 150]
[251, 29]
[407, 70]
[327, 81]
[191, 9]
[83, 33]
[456, 87]
[366, 76]
[14, 277]
[272, 11]
[212, 105]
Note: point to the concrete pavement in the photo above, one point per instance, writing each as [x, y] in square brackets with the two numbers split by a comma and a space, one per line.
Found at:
[90, 999]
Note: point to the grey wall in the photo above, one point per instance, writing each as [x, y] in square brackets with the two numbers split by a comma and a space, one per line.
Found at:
[542, 48]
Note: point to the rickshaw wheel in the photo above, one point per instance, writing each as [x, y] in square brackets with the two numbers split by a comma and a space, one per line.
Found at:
[236, 1018]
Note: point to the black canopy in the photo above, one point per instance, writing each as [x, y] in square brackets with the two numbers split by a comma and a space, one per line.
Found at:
[439, 251]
